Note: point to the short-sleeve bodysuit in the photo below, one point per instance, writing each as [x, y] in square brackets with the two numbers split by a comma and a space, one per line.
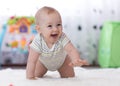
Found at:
[52, 58]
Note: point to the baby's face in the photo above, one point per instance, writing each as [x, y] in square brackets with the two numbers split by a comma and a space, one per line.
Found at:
[51, 27]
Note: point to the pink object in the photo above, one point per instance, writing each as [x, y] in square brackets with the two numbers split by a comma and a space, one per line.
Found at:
[10, 84]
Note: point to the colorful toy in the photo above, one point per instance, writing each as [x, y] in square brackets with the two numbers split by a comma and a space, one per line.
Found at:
[14, 39]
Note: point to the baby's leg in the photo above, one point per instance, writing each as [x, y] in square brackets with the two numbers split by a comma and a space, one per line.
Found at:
[66, 70]
[40, 69]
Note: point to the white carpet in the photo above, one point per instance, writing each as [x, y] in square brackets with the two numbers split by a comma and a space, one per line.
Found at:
[84, 77]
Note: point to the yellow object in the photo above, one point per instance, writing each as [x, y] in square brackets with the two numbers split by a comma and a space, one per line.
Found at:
[14, 44]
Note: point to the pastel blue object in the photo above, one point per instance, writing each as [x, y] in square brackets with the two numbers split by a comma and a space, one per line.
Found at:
[2, 33]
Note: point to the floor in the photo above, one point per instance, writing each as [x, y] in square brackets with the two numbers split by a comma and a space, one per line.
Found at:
[85, 76]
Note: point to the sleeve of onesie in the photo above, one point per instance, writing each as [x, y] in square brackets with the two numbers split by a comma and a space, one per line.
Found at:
[64, 39]
[36, 45]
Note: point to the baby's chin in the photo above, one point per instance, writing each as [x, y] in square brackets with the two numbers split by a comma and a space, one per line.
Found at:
[54, 40]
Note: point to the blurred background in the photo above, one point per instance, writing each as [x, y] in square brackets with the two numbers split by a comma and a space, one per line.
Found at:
[83, 21]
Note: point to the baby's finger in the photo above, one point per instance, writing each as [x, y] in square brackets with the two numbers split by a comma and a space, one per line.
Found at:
[75, 64]
[84, 62]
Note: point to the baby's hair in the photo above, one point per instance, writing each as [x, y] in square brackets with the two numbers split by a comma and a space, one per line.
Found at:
[40, 13]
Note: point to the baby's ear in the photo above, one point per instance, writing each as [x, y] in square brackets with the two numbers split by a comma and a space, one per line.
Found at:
[37, 28]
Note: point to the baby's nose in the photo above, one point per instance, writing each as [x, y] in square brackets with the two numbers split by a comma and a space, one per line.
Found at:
[55, 28]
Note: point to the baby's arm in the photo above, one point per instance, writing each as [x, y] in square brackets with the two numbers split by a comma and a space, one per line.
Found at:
[31, 64]
[74, 55]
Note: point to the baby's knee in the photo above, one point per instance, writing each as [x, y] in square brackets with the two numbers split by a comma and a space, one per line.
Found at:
[69, 75]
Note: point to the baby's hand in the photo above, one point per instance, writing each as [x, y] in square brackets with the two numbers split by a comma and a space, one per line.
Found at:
[78, 62]
[32, 78]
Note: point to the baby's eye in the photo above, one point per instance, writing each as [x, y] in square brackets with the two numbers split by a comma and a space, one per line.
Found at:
[58, 24]
[49, 25]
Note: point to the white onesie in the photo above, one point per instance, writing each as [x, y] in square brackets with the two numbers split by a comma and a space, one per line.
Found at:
[52, 58]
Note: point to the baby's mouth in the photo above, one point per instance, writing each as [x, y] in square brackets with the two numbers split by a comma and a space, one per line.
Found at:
[54, 35]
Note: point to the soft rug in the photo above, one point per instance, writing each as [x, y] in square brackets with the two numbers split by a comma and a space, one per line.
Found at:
[84, 77]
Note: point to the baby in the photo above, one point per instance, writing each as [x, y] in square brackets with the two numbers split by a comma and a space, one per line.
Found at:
[51, 49]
